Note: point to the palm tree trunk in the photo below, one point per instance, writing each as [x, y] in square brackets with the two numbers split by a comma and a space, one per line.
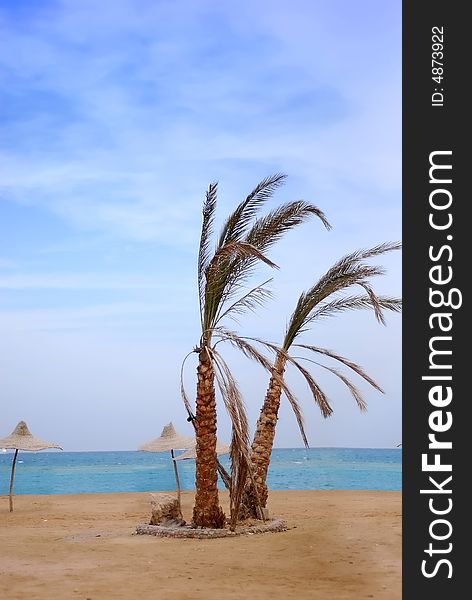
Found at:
[207, 511]
[255, 495]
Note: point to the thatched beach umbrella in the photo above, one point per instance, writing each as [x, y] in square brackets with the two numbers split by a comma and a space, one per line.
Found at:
[169, 440]
[22, 439]
[192, 452]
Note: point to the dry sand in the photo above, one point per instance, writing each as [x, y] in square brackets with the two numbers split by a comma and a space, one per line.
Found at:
[342, 545]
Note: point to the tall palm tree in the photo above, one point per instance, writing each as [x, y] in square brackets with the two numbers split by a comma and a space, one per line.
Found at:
[326, 298]
[222, 275]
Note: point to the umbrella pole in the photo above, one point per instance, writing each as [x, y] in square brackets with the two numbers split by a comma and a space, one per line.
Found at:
[177, 480]
[225, 476]
[11, 479]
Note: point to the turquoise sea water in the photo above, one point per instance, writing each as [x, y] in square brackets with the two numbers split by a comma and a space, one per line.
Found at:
[291, 469]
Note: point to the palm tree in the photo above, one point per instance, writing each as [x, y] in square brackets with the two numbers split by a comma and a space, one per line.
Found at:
[324, 299]
[222, 275]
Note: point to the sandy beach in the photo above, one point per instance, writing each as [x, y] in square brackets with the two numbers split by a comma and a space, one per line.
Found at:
[341, 545]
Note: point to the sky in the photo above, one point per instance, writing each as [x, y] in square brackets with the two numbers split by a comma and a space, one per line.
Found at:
[114, 118]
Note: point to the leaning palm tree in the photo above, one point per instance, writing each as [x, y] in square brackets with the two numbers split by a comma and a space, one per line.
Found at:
[326, 298]
[222, 276]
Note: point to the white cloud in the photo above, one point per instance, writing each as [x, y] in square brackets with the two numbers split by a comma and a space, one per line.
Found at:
[84, 281]
[150, 118]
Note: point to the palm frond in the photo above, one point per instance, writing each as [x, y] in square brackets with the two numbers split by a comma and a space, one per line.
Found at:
[245, 346]
[346, 272]
[348, 264]
[329, 284]
[233, 402]
[364, 253]
[375, 302]
[382, 248]
[232, 399]
[297, 411]
[251, 352]
[250, 301]
[219, 272]
[209, 207]
[243, 243]
[183, 393]
[264, 233]
[267, 230]
[318, 395]
[345, 361]
[238, 250]
[355, 392]
[239, 452]
[353, 303]
[237, 223]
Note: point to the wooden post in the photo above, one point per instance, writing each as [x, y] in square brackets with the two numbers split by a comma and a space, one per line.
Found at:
[11, 479]
[177, 480]
[225, 476]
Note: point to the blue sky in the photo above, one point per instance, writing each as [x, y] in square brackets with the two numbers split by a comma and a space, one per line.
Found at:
[115, 116]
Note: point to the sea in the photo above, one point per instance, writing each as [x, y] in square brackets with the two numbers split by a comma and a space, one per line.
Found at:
[132, 471]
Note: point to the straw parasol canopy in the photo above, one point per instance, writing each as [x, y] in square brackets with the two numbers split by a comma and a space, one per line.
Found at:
[192, 452]
[168, 440]
[22, 439]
